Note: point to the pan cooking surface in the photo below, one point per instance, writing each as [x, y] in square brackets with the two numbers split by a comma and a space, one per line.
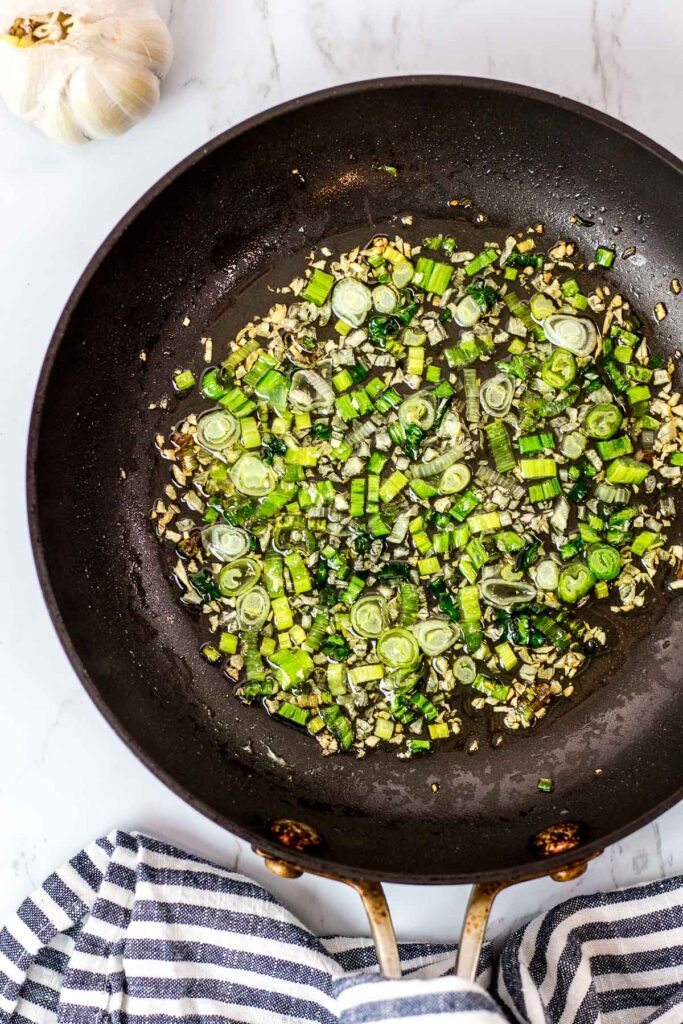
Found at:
[204, 245]
[479, 728]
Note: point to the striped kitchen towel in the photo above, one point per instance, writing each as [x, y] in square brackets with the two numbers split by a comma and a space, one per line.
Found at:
[134, 931]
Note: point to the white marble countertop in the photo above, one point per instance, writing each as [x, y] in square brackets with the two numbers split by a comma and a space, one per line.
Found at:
[64, 776]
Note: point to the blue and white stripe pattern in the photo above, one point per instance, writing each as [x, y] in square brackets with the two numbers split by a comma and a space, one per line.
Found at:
[134, 931]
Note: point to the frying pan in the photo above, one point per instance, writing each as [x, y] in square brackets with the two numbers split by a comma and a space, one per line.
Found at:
[199, 246]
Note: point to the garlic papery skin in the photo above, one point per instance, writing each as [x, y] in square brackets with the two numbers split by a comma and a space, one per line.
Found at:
[88, 69]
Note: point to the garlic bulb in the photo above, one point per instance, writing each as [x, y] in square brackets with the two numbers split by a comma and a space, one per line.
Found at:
[87, 70]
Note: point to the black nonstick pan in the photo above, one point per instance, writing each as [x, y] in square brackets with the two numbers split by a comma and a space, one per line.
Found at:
[212, 229]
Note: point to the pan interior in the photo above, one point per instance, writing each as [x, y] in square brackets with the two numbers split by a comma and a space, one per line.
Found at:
[204, 248]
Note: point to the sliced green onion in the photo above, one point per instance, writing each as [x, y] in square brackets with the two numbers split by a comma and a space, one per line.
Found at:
[184, 381]
[384, 728]
[237, 357]
[612, 495]
[603, 421]
[253, 608]
[359, 675]
[574, 444]
[282, 613]
[533, 443]
[496, 395]
[465, 504]
[211, 653]
[492, 689]
[227, 643]
[310, 392]
[576, 580]
[336, 647]
[439, 279]
[205, 585]
[618, 380]
[510, 542]
[339, 725]
[224, 542]
[547, 574]
[625, 470]
[484, 259]
[402, 274]
[467, 312]
[559, 370]
[251, 437]
[416, 361]
[434, 636]
[645, 540]
[454, 479]
[574, 333]
[398, 648]
[276, 500]
[483, 294]
[262, 365]
[437, 466]
[521, 311]
[616, 446]
[369, 616]
[501, 447]
[217, 430]
[273, 388]
[392, 486]
[351, 301]
[546, 491]
[238, 577]
[301, 581]
[537, 469]
[471, 395]
[639, 393]
[464, 670]
[541, 306]
[253, 477]
[292, 667]
[253, 663]
[318, 287]
[484, 522]
[604, 561]
[212, 383]
[506, 657]
[357, 498]
[384, 298]
[293, 713]
[418, 410]
[317, 632]
[604, 257]
[353, 590]
[422, 705]
[470, 608]
[552, 631]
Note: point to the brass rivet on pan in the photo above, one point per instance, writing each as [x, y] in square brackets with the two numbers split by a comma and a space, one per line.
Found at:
[571, 872]
[295, 834]
[557, 839]
[281, 868]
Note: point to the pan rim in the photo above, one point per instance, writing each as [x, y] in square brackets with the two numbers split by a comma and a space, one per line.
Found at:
[306, 861]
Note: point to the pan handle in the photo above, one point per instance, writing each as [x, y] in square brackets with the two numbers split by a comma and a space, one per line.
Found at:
[376, 907]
